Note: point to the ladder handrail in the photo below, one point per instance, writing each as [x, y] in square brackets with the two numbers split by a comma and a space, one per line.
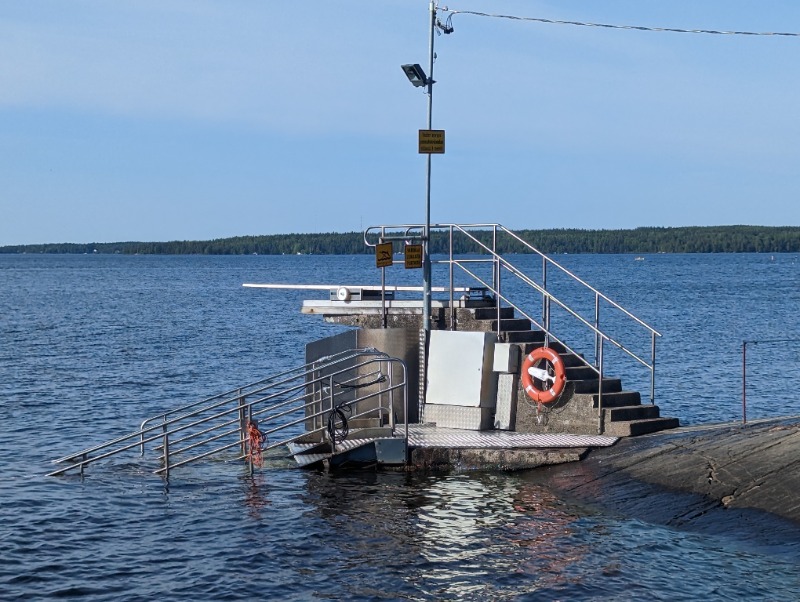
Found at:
[300, 393]
[223, 398]
[337, 357]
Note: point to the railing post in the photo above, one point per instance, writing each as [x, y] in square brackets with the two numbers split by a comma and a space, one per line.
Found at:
[596, 327]
[165, 428]
[390, 370]
[494, 253]
[452, 300]
[384, 319]
[600, 391]
[545, 301]
[331, 417]
[242, 421]
[496, 279]
[249, 443]
[653, 369]
[744, 382]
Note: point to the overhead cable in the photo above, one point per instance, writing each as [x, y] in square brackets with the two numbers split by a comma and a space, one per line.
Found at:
[609, 26]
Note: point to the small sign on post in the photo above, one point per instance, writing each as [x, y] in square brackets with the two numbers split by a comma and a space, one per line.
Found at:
[383, 254]
[431, 142]
[413, 256]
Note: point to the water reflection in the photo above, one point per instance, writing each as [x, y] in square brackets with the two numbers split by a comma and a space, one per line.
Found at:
[255, 494]
[547, 534]
[451, 536]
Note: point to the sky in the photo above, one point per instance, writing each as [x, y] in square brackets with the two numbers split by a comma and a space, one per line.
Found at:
[160, 120]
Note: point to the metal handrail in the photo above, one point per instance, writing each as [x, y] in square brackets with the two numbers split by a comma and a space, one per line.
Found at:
[745, 343]
[548, 298]
[280, 401]
[499, 264]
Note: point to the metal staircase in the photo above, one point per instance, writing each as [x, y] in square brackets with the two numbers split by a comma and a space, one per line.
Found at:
[340, 408]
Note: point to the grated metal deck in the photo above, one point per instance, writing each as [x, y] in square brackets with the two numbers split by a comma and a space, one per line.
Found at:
[421, 435]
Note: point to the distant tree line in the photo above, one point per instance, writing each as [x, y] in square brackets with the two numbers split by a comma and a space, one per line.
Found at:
[709, 239]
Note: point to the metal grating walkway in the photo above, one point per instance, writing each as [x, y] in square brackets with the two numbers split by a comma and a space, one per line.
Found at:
[421, 435]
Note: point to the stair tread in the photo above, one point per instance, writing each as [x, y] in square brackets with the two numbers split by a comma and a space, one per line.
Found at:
[631, 413]
[309, 459]
[590, 385]
[642, 426]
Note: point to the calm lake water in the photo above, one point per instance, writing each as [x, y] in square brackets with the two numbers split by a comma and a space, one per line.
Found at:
[90, 345]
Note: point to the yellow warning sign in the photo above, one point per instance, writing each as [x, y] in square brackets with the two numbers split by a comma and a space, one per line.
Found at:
[431, 141]
[383, 254]
[413, 256]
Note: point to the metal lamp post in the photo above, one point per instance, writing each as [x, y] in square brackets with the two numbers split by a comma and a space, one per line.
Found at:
[417, 77]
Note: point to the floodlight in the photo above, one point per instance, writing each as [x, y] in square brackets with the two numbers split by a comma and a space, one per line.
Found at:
[415, 75]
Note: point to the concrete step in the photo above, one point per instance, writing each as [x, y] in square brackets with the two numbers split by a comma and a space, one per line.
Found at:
[491, 325]
[571, 360]
[511, 324]
[553, 344]
[490, 313]
[528, 347]
[581, 372]
[634, 428]
[610, 385]
[589, 385]
[523, 336]
[630, 413]
[618, 399]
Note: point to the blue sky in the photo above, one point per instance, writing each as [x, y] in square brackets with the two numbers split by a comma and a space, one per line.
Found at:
[199, 119]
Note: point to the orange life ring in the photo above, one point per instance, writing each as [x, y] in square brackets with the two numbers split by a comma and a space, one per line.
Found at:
[559, 377]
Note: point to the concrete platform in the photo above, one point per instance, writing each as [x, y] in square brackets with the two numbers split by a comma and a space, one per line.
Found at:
[727, 466]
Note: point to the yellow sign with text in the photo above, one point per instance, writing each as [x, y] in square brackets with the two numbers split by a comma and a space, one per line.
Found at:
[413, 256]
[383, 254]
[431, 141]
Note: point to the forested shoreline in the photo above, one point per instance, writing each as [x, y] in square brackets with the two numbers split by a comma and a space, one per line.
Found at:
[700, 239]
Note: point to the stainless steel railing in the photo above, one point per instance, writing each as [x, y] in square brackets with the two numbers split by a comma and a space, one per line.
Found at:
[364, 383]
[483, 240]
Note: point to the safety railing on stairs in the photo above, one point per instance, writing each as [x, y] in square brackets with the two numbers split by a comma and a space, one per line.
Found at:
[314, 401]
[472, 246]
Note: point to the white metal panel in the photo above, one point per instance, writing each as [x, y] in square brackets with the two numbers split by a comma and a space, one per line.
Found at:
[460, 368]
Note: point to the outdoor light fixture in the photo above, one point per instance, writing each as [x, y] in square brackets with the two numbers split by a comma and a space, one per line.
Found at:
[415, 75]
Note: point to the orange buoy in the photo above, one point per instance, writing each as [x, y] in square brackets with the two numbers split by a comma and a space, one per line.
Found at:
[532, 373]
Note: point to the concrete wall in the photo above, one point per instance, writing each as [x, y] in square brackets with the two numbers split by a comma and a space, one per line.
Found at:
[401, 343]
